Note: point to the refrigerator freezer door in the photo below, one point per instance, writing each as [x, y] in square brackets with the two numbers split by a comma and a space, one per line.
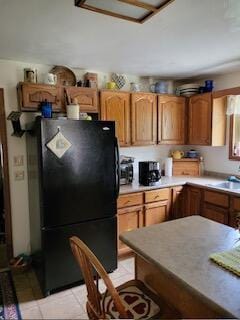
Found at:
[81, 185]
[60, 266]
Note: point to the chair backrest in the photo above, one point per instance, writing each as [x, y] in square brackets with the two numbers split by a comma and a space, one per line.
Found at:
[88, 262]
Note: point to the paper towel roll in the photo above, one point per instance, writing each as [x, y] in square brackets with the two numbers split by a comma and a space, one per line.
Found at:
[168, 167]
[73, 111]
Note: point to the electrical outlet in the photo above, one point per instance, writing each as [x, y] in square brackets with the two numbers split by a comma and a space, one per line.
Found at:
[18, 161]
[19, 175]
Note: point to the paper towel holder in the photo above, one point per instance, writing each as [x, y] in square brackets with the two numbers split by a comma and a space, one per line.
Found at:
[14, 117]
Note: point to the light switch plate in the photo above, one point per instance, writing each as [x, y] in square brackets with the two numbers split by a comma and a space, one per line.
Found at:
[19, 175]
[18, 161]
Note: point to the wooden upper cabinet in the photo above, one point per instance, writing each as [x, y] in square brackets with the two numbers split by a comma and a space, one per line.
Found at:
[171, 119]
[144, 119]
[207, 120]
[87, 98]
[30, 96]
[200, 119]
[115, 106]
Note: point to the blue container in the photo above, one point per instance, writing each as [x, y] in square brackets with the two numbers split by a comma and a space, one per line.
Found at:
[46, 108]
[208, 86]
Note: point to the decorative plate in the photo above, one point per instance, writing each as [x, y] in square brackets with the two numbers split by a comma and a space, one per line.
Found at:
[65, 76]
[119, 79]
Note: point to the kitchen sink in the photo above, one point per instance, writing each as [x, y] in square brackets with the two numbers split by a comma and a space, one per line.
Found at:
[228, 185]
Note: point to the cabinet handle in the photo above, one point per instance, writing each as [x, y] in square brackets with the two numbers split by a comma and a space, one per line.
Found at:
[126, 202]
[156, 197]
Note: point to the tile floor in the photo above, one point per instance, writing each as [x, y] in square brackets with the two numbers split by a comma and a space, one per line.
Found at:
[68, 304]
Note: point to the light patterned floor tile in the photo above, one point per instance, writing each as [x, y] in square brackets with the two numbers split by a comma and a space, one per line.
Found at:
[65, 304]
[32, 313]
[63, 308]
[117, 282]
[54, 296]
[82, 316]
[121, 271]
[128, 264]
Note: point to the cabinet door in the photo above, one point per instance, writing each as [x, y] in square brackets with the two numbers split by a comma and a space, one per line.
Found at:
[234, 214]
[144, 119]
[86, 98]
[215, 213]
[171, 119]
[200, 119]
[178, 207]
[194, 198]
[31, 95]
[156, 213]
[128, 219]
[115, 106]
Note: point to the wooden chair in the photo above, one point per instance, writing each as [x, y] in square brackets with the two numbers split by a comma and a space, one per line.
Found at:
[131, 300]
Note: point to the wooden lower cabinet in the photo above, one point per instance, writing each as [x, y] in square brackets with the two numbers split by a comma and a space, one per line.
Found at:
[178, 202]
[128, 219]
[234, 213]
[193, 203]
[215, 213]
[156, 212]
[136, 210]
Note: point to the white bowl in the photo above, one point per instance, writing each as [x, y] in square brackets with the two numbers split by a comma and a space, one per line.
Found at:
[189, 86]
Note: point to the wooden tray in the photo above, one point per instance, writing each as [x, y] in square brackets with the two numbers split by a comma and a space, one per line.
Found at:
[65, 76]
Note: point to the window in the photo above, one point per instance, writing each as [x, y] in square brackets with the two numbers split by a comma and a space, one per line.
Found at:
[234, 147]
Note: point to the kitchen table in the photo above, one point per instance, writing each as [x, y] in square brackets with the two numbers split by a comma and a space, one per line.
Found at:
[173, 259]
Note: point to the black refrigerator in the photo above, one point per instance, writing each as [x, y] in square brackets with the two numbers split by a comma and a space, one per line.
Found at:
[73, 175]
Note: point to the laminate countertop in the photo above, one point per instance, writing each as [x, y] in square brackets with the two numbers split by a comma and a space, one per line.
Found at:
[168, 182]
[181, 248]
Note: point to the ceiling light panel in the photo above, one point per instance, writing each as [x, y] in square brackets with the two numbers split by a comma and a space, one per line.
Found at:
[132, 10]
[155, 3]
[118, 8]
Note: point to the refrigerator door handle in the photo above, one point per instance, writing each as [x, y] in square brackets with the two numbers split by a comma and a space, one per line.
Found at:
[117, 168]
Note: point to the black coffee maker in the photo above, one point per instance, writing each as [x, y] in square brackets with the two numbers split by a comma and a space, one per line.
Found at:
[149, 172]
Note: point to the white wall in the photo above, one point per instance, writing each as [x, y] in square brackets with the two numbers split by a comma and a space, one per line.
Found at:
[11, 72]
[149, 153]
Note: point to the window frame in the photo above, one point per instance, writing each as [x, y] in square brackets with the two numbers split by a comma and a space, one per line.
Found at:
[231, 135]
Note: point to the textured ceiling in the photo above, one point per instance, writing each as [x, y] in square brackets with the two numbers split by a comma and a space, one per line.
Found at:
[188, 38]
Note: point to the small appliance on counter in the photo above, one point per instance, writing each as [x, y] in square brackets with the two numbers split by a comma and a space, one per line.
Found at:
[149, 172]
[126, 170]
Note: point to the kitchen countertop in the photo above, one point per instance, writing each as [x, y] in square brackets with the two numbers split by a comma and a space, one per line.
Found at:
[181, 248]
[167, 182]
